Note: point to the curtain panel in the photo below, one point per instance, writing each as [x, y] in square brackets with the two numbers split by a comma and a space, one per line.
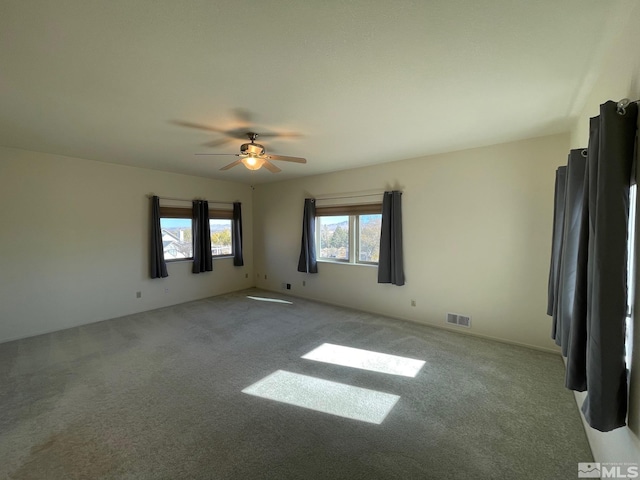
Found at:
[573, 203]
[576, 366]
[157, 264]
[238, 259]
[556, 244]
[391, 260]
[589, 300]
[307, 262]
[202, 258]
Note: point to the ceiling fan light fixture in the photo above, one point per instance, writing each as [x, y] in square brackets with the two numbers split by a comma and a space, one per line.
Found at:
[253, 163]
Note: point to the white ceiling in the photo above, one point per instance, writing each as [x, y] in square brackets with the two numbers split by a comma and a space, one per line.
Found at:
[362, 81]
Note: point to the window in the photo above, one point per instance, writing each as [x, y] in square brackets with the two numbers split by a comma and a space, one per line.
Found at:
[369, 237]
[349, 234]
[221, 231]
[631, 245]
[334, 237]
[177, 232]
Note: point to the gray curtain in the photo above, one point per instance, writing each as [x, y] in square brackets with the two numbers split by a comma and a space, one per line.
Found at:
[307, 261]
[605, 407]
[158, 267]
[391, 262]
[238, 260]
[573, 202]
[576, 367]
[202, 258]
[556, 243]
[591, 295]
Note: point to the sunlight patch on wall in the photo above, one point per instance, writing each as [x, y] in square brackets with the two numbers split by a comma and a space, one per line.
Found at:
[325, 396]
[265, 299]
[365, 360]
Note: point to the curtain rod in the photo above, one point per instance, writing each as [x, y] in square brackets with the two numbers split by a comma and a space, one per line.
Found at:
[355, 195]
[151, 195]
[621, 106]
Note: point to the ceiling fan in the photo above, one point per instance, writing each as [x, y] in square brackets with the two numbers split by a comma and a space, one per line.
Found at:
[253, 156]
[243, 118]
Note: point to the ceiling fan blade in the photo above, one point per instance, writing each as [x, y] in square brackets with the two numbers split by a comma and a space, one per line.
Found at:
[231, 165]
[270, 166]
[286, 159]
[197, 125]
[217, 143]
[242, 115]
[235, 154]
[280, 135]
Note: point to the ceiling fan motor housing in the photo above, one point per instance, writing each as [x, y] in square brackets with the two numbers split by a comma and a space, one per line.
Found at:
[252, 149]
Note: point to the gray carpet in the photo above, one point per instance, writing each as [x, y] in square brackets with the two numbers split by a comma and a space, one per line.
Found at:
[158, 395]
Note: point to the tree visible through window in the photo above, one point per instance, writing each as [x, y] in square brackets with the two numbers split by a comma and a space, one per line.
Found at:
[369, 248]
[221, 244]
[334, 238]
[349, 238]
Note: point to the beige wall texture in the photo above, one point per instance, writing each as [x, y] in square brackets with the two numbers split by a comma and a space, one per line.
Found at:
[75, 236]
[618, 77]
[477, 239]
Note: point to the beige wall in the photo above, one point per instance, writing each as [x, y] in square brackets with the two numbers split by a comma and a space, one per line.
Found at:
[619, 78]
[74, 242]
[477, 235]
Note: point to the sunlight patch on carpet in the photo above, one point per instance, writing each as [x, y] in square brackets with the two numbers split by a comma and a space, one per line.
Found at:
[265, 299]
[365, 360]
[324, 396]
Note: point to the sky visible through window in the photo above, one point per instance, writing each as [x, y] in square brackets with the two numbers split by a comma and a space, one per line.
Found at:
[364, 219]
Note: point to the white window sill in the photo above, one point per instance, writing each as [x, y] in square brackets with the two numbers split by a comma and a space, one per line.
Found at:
[190, 260]
[338, 262]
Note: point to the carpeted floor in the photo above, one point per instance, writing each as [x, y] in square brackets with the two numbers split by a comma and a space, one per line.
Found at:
[159, 395]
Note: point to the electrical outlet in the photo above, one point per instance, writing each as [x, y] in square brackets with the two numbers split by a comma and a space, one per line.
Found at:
[413, 303]
[288, 286]
[166, 290]
[138, 294]
[304, 283]
[246, 275]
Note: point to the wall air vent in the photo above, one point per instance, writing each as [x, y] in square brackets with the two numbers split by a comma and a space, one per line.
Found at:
[460, 320]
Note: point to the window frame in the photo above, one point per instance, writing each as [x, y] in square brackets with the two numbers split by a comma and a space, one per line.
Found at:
[353, 212]
[349, 238]
[358, 239]
[186, 213]
[224, 255]
[631, 280]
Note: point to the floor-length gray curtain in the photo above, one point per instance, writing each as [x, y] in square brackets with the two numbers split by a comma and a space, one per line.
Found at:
[556, 243]
[591, 294]
[573, 203]
[307, 262]
[238, 259]
[576, 366]
[157, 265]
[391, 260]
[605, 407]
[202, 258]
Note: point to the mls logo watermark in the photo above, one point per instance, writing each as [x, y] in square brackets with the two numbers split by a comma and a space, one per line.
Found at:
[608, 470]
[588, 470]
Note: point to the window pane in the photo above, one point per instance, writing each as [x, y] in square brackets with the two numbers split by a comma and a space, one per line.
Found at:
[334, 238]
[220, 237]
[631, 244]
[176, 238]
[369, 241]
